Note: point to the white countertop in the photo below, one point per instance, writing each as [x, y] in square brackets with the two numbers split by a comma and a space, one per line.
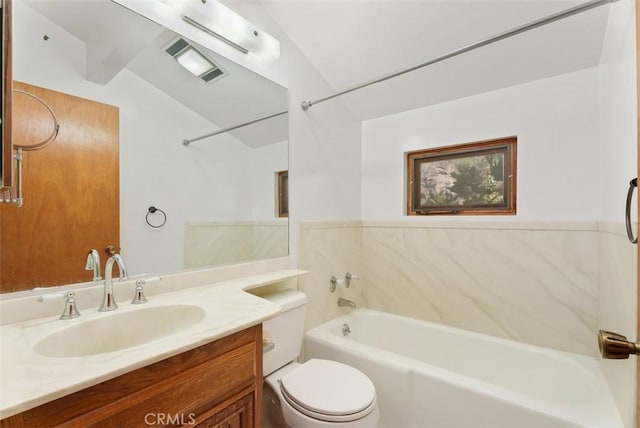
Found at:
[28, 380]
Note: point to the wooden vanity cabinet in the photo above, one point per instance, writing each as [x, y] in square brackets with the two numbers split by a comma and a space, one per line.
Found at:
[216, 385]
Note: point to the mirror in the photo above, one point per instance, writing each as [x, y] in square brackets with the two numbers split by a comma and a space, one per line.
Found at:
[214, 201]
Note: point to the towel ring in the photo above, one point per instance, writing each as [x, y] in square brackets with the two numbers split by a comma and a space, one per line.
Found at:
[54, 132]
[632, 186]
[153, 210]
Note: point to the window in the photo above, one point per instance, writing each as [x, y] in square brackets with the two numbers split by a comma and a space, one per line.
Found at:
[473, 179]
[282, 202]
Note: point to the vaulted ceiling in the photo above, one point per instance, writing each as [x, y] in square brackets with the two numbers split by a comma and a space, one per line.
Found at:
[352, 41]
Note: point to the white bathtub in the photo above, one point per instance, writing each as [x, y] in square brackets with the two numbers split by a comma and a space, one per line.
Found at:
[430, 375]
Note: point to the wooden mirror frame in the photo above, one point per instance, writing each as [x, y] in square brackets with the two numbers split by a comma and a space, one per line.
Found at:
[7, 95]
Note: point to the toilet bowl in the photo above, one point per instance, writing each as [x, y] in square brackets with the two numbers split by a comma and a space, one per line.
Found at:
[316, 393]
[320, 393]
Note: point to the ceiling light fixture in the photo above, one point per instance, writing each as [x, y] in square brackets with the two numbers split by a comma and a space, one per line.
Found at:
[219, 21]
[194, 61]
[213, 33]
[223, 26]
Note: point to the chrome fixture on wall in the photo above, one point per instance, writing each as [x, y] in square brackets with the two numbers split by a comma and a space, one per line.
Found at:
[346, 303]
[333, 284]
[633, 184]
[348, 277]
[153, 210]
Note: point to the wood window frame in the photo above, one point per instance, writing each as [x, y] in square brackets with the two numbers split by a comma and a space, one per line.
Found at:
[282, 202]
[505, 146]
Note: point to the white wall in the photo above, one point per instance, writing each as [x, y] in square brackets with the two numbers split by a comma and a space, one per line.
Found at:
[264, 162]
[324, 142]
[555, 120]
[618, 154]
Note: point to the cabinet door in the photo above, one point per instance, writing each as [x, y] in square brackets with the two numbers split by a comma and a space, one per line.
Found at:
[238, 414]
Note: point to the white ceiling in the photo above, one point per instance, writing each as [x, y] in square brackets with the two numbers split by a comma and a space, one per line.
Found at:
[352, 41]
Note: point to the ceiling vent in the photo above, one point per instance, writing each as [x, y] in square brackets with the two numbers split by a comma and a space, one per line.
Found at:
[194, 61]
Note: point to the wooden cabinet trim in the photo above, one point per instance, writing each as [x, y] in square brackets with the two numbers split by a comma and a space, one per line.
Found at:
[196, 381]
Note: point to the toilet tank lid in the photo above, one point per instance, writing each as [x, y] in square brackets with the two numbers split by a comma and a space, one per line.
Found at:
[287, 299]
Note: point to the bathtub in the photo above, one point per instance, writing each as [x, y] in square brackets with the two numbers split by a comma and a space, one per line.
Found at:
[430, 375]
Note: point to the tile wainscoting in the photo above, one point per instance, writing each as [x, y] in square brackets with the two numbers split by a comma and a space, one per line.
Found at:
[218, 243]
[535, 282]
[617, 310]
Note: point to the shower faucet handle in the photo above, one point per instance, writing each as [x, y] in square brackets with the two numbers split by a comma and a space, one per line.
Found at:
[333, 283]
[616, 346]
[348, 278]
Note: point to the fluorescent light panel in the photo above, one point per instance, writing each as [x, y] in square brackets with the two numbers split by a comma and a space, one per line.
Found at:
[194, 61]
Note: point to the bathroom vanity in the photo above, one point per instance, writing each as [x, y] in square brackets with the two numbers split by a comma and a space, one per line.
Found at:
[215, 385]
[142, 365]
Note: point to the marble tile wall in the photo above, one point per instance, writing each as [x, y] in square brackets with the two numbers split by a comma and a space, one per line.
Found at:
[617, 309]
[535, 283]
[217, 243]
[531, 282]
[326, 249]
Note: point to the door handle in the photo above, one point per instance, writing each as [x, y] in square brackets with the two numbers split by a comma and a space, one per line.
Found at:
[627, 212]
[616, 346]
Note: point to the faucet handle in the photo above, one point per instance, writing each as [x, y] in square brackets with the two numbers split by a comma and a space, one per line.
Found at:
[70, 309]
[333, 283]
[348, 277]
[139, 297]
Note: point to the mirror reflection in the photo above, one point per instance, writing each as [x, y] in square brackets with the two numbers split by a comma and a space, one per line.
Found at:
[125, 102]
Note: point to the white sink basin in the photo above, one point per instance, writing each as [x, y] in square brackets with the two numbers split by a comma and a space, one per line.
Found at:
[118, 330]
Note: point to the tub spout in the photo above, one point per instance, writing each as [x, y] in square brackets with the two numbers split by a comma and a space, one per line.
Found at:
[346, 302]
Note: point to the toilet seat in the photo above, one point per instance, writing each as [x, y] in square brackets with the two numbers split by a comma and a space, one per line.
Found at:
[329, 391]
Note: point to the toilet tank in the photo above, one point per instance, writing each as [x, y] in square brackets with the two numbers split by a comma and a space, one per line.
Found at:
[285, 330]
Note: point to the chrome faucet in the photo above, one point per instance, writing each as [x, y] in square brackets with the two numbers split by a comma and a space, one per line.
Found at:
[347, 303]
[93, 263]
[108, 301]
[70, 309]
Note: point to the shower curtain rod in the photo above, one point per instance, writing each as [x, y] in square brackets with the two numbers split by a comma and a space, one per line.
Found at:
[501, 36]
[222, 131]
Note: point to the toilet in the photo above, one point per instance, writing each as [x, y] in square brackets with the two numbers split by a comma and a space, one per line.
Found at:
[316, 393]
